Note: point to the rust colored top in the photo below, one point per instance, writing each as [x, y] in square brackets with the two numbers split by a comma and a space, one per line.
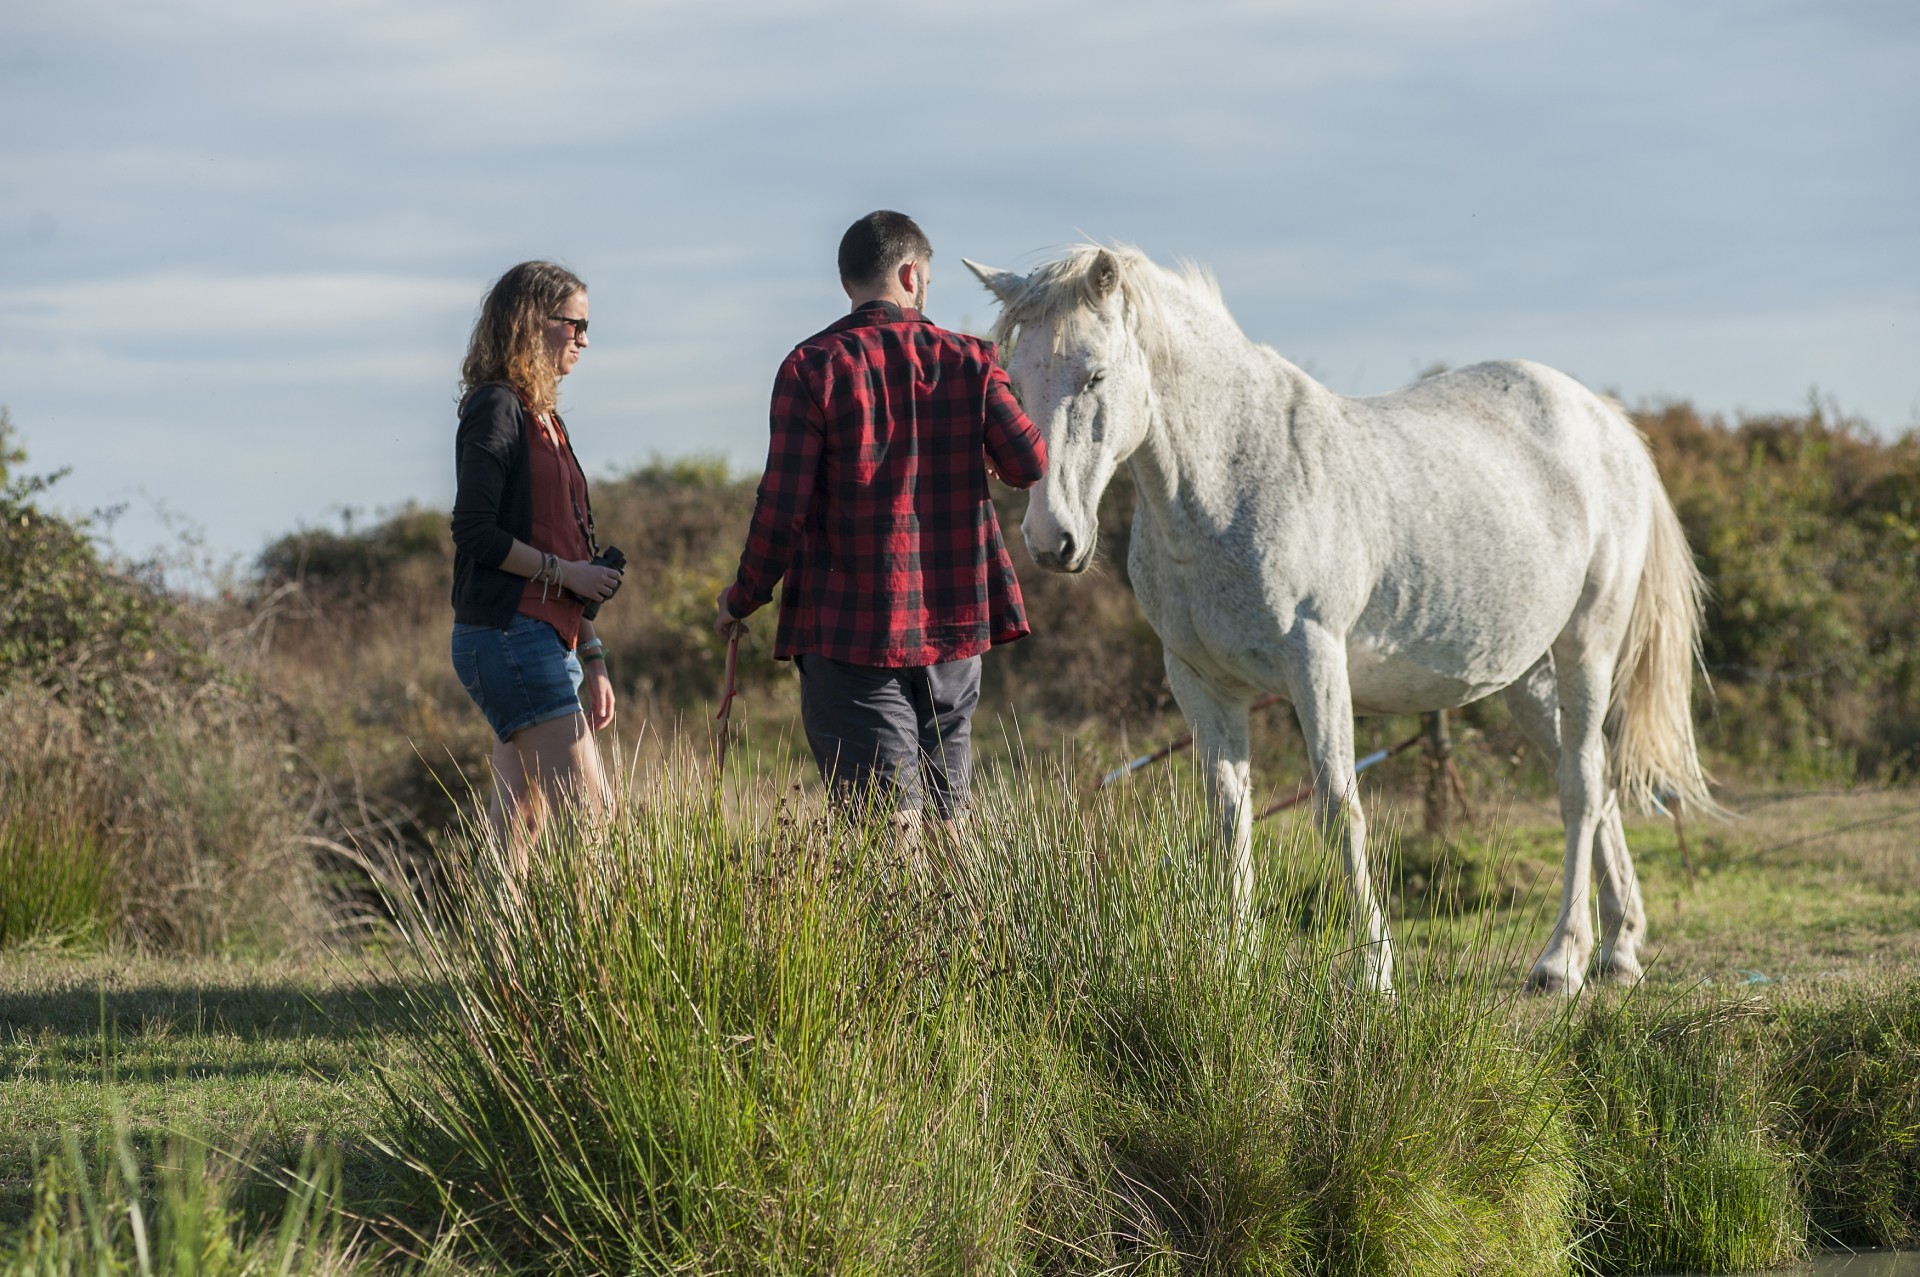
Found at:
[559, 522]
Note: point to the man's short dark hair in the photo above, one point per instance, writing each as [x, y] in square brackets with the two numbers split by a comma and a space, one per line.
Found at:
[878, 243]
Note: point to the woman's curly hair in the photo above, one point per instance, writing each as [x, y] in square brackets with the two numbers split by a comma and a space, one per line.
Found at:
[509, 341]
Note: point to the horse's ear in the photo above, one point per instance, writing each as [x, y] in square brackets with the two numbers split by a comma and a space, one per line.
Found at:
[1103, 276]
[1001, 283]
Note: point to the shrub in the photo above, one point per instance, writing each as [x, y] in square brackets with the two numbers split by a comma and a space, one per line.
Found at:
[764, 1043]
[1677, 1140]
[75, 625]
[1807, 529]
[146, 791]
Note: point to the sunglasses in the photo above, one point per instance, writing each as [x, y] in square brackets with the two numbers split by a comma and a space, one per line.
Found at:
[579, 325]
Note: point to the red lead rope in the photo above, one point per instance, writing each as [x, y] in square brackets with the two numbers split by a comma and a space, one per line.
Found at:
[728, 690]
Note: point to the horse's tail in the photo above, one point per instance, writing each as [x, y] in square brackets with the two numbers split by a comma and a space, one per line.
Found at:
[1652, 746]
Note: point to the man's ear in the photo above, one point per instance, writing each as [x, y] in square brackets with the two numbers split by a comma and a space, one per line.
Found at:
[908, 275]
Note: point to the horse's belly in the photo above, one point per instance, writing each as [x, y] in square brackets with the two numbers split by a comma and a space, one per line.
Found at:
[1389, 684]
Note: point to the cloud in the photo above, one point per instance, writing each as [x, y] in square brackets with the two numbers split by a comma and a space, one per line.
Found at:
[231, 230]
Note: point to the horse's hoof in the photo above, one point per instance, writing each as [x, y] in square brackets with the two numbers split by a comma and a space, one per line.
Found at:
[1546, 981]
[1372, 984]
[1622, 971]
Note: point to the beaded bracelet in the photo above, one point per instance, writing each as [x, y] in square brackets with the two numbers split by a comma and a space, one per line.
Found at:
[549, 574]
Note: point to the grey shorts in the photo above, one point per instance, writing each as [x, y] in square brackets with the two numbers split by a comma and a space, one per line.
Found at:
[897, 736]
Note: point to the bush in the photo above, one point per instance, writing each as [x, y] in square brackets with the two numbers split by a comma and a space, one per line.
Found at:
[1684, 1165]
[146, 792]
[759, 1043]
[1808, 530]
[76, 626]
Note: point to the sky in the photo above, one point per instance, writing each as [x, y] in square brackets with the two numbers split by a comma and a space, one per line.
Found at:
[242, 244]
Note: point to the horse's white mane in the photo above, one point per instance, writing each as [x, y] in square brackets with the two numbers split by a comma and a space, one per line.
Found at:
[1054, 296]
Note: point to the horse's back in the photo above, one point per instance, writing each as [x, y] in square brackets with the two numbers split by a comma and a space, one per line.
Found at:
[1516, 402]
[1512, 442]
[1503, 492]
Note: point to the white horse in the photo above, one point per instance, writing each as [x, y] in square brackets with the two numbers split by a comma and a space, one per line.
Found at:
[1496, 529]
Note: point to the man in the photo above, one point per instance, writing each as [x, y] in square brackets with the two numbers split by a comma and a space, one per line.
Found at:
[875, 510]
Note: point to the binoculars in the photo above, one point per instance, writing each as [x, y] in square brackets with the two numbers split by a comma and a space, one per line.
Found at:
[607, 558]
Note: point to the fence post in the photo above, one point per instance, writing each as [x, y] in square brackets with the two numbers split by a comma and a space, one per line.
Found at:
[1439, 753]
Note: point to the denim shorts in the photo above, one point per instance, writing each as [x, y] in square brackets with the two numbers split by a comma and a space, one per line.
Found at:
[518, 676]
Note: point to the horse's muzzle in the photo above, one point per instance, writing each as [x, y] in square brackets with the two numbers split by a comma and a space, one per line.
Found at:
[1070, 557]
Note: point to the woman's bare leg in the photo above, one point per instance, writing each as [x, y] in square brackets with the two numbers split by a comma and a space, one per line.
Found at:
[546, 765]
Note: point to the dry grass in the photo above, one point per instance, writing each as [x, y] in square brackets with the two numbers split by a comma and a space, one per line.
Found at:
[193, 812]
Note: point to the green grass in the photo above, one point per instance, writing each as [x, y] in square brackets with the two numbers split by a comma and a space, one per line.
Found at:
[754, 1045]
[58, 876]
[174, 1210]
[260, 1055]
[1680, 1146]
[727, 1037]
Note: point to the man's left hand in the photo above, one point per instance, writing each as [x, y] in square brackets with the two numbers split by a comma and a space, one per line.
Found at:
[726, 624]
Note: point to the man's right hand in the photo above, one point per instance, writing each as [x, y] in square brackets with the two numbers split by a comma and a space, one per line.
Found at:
[726, 624]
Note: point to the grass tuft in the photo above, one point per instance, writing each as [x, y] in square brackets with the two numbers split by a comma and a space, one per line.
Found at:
[766, 1042]
[175, 1212]
[1848, 1079]
[1685, 1169]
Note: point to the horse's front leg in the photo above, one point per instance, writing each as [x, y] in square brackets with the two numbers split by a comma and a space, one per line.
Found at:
[1220, 738]
[1323, 700]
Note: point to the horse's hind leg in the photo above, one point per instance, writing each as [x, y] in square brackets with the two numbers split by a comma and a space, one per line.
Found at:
[1583, 681]
[1534, 703]
[1223, 745]
[1623, 915]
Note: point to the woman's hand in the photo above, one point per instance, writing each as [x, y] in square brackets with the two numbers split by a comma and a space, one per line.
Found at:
[587, 579]
[597, 696]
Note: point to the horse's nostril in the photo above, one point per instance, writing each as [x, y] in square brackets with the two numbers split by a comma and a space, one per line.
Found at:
[1066, 548]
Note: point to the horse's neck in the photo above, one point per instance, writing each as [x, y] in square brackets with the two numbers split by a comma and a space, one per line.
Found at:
[1219, 389]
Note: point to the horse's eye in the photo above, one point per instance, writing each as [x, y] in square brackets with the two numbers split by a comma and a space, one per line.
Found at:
[1093, 378]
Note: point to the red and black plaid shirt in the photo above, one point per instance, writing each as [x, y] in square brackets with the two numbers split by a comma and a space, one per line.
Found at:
[874, 506]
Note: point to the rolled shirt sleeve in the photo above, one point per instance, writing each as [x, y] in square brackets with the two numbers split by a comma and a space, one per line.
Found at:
[1013, 445]
[797, 429]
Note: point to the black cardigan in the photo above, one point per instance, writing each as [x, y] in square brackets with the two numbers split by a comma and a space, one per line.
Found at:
[492, 504]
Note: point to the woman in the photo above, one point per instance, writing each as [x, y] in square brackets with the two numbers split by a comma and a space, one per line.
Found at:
[523, 538]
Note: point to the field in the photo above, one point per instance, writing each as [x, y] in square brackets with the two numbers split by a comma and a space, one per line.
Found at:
[263, 1008]
[834, 1062]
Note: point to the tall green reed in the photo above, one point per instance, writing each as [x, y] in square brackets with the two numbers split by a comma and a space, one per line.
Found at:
[172, 1209]
[57, 874]
[1848, 1082]
[1679, 1138]
[1262, 1112]
[681, 1043]
[761, 1041]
